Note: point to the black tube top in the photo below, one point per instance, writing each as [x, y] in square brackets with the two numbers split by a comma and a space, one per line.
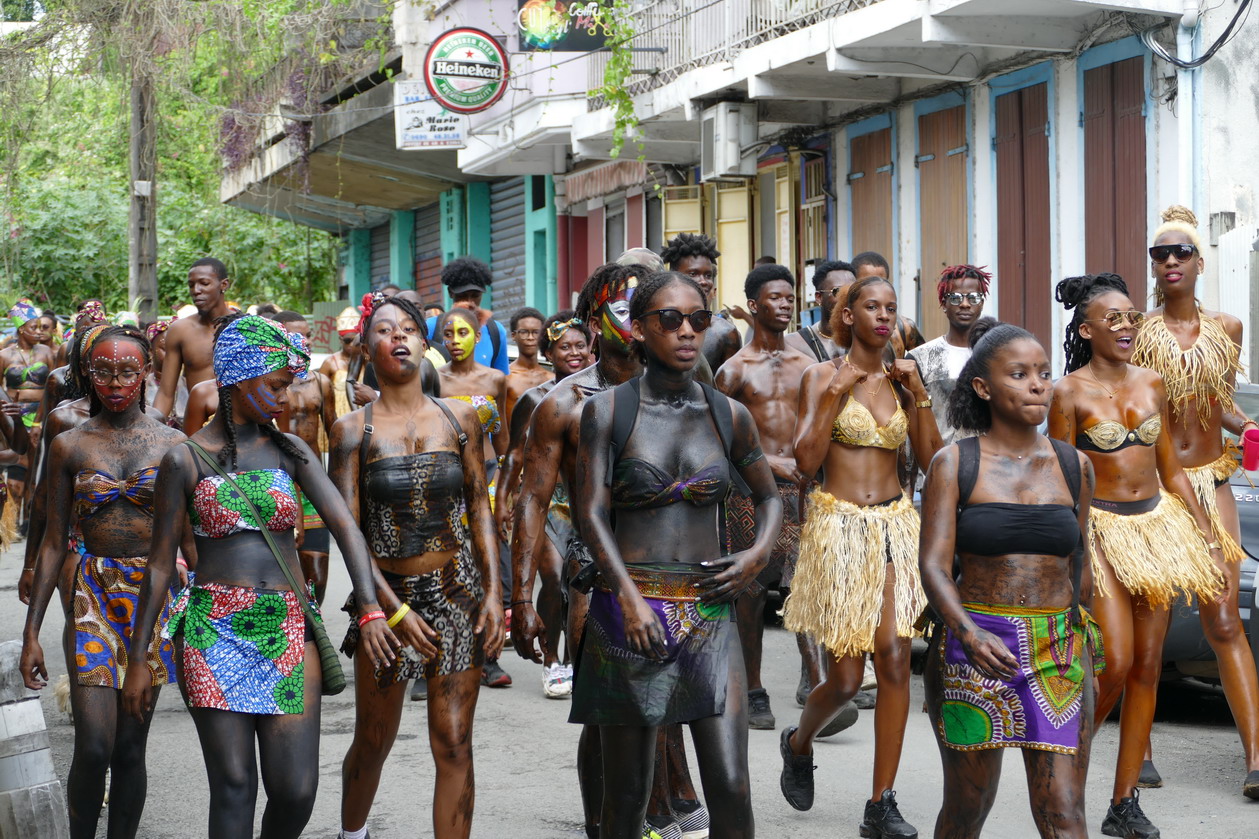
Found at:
[1000, 528]
[414, 504]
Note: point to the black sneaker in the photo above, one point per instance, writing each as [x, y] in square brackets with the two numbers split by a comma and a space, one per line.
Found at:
[419, 690]
[883, 820]
[494, 676]
[846, 718]
[1126, 820]
[864, 699]
[797, 775]
[760, 716]
[802, 688]
[1149, 777]
[1250, 787]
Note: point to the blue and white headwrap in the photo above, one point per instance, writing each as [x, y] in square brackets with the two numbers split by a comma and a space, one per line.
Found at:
[251, 346]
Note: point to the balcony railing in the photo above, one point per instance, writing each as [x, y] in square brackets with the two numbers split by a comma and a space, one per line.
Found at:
[673, 36]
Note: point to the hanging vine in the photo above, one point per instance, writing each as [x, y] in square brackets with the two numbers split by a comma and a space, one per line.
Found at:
[619, 24]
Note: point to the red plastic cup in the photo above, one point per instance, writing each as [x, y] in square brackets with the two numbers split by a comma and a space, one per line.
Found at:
[1250, 449]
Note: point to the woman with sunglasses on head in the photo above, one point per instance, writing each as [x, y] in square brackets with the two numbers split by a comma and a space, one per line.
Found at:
[1148, 547]
[1002, 558]
[856, 588]
[115, 518]
[249, 667]
[1197, 354]
[659, 455]
[411, 468]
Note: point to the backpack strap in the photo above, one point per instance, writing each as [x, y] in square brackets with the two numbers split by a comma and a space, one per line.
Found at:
[625, 397]
[364, 444]
[967, 469]
[809, 334]
[496, 340]
[723, 418]
[454, 423]
[1069, 462]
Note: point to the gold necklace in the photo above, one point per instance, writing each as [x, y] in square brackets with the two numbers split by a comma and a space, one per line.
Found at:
[877, 387]
[1109, 392]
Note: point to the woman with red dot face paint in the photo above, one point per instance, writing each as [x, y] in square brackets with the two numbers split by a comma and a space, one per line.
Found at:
[103, 472]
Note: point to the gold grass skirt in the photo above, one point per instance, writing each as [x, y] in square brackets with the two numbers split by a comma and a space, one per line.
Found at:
[845, 551]
[1157, 554]
[1204, 480]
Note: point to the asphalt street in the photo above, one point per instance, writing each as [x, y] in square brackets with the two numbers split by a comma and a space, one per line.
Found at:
[526, 776]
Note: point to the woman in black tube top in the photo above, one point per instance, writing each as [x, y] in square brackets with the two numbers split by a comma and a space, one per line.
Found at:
[1149, 547]
[658, 456]
[411, 468]
[1012, 665]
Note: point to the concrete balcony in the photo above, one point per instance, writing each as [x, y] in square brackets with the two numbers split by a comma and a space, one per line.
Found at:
[809, 62]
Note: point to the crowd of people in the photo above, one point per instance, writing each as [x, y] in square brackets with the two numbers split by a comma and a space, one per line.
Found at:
[619, 500]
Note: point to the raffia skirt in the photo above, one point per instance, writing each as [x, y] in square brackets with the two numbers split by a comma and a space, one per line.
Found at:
[845, 551]
[1154, 548]
[1205, 479]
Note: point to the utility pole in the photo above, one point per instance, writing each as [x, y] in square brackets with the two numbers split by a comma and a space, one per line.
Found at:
[142, 233]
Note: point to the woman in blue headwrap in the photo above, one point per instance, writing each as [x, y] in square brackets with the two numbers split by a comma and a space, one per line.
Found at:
[26, 364]
[248, 665]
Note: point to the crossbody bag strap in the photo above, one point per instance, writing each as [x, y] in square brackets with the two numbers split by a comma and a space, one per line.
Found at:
[811, 338]
[302, 599]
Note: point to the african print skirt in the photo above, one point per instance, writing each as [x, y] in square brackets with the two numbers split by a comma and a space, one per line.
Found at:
[617, 686]
[244, 648]
[1040, 708]
[30, 410]
[1154, 547]
[449, 600]
[741, 534]
[1205, 479]
[310, 518]
[845, 553]
[106, 593]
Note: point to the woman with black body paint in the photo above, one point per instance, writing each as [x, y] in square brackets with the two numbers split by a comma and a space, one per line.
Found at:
[1013, 665]
[667, 598]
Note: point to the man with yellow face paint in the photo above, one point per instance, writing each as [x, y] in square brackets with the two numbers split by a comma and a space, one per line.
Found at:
[466, 280]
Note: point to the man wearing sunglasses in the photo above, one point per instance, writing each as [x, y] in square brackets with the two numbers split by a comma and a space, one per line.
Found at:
[695, 255]
[765, 376]
[816, 340]
[962, 290]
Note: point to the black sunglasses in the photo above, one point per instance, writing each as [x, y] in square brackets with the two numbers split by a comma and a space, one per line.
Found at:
[671, 319]
[1160, 253]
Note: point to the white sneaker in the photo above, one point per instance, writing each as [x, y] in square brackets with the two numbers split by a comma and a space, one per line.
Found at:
[868, 679]
[557, 680]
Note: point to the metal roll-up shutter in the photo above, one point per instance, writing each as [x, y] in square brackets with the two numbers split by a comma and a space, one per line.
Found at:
[428, 253]
[380, 256]
[507, 245]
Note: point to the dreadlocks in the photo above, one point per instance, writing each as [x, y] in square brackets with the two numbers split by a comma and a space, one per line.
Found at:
[962, 272]
[605, 283]
[689, 244]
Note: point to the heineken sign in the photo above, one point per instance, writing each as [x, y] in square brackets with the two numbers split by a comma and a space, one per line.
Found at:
[466, 70]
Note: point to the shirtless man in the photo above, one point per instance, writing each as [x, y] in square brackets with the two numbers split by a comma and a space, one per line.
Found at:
[765, 376]
[526, 371]
[311, 413]
[695, 255]
[551, 458]
[190, 341]
[816, 340]
[337, 365]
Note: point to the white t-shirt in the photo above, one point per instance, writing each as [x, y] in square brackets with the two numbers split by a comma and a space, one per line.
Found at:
[940, 364]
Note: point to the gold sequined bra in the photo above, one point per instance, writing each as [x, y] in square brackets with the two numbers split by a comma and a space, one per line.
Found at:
[856, 426]
[1111, 435]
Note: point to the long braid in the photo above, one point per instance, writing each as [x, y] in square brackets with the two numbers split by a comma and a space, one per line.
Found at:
[283, 441]
[228, 452]
[1076, 293]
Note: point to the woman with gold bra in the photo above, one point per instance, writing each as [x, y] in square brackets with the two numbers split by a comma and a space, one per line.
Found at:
[857, 587]
[1197, 354]
[1148, 547]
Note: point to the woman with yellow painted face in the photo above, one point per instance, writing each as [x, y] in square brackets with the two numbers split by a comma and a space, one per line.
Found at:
[485, 389]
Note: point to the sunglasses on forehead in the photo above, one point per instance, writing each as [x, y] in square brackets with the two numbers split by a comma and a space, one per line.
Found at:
[1160, 253]
[671, 319]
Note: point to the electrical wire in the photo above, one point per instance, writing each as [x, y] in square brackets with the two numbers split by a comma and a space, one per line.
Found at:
[1147, 38]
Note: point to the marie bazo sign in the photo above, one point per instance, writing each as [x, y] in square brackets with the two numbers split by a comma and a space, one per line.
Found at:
[466, 70]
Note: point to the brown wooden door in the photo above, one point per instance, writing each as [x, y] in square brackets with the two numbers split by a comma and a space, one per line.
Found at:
[871, 181]
[943, 214]
[1022, 146]
[1114, 173]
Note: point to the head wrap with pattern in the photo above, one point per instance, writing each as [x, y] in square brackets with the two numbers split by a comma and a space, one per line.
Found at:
[157, 327]
[23, 312]
[251, 346]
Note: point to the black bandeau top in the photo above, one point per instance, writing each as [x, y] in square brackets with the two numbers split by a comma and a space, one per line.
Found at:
[1000, 528]
[415, 504]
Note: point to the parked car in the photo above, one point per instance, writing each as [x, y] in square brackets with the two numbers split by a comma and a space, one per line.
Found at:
[1186, 652]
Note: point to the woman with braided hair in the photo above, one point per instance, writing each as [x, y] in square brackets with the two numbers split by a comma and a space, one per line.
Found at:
[1197, 354]
[1149, 547]
[115, 518]
[248, 666]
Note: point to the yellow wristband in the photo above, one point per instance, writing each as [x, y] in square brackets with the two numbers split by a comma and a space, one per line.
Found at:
[1214, 546]
[398, 615]
[926, 403]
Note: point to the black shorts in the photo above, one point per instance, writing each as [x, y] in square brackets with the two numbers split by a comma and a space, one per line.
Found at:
[17, 473]
[316, 540]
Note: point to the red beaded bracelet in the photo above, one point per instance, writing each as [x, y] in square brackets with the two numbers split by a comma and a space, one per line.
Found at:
[371, 616]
